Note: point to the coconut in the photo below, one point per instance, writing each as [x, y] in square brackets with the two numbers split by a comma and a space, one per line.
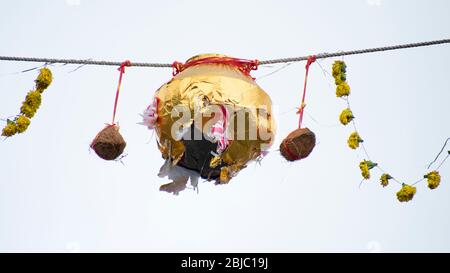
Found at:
[109, 143]
[298, 144]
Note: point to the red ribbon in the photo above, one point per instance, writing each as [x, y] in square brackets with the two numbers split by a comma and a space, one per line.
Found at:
[245, 66]
[122, 70]
[310, 60]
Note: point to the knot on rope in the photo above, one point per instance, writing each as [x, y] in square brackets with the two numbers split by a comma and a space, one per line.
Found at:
[177, 68]
[299, 109]
[310, 60]
[123, 65]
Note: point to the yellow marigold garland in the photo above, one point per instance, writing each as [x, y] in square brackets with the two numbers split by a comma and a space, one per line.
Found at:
[406, 193]
[353, 140]
[434, 179]
[30, 106]
[346, 116]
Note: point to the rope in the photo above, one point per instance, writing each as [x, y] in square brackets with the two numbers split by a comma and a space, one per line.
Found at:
[355, 52]
[273, 61]
[82, 62]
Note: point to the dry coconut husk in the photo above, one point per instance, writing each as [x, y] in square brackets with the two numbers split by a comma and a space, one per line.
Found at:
[298, 144]
[109, 143]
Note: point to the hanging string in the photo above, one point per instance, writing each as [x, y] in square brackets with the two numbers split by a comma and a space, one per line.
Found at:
[440, 152]
[311, 59]
[122, 70]
[275, 71]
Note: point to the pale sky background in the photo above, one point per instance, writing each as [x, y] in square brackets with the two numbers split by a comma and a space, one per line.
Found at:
[55, 195]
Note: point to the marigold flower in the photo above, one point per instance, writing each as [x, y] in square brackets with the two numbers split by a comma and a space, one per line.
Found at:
[434, 179]
[385, 179]
[10, 129]
[22, 123]
[365, 167]
[44, 79]
[353, 140]
[33, 99]
[338, 68]
[406, 193]
[343, 89]
[346, 116]
[339, 79]
[28, 111]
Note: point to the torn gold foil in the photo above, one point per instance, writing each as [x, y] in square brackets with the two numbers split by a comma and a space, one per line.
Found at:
[199, 88]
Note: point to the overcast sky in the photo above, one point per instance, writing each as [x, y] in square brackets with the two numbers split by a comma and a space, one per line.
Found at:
[56, 195]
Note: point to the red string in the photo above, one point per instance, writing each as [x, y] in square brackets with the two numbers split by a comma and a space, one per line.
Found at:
[122, 70]
[245, 66]
[311, 59]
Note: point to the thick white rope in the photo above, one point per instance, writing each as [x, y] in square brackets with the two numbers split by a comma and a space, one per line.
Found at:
[273, 61]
